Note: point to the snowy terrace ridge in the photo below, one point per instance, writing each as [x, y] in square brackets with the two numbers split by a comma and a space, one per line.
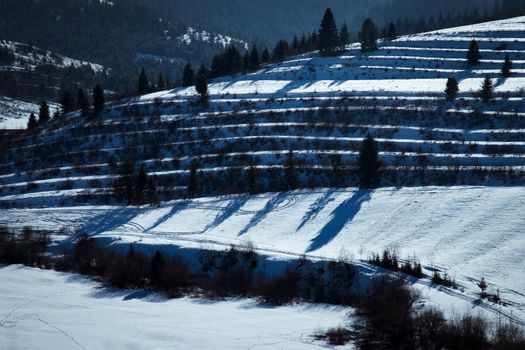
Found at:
[317, 107]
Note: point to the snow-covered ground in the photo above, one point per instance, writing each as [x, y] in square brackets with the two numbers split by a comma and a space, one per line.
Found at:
[14, 113]
[468, 232]
[42, 309]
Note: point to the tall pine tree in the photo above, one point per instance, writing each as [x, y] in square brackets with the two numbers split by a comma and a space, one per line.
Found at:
[368, 163]
[31, 124]
[188, 77]
[98, 99]
[201, 82]
[507, 67]
[328, 36]
[193, 181]
[67, 101]
[487, 90]
[391, 32]
[291, 179]
[473, 55]
[368, 36]
[143, 82]
[254, 58]
[82, 102]
[344, 35]
[452, 89]
[43, 113]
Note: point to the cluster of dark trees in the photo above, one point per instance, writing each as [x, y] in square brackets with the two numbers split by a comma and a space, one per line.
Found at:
[69, 104]
[368, 169]
[27, 247]
[486, 92]
[136, 188]
[144, 85]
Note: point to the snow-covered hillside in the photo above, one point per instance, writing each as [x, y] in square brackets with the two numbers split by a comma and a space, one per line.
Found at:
[63, 311]
[316, 107]
[28, 56]
[207, 37]
[468, 232]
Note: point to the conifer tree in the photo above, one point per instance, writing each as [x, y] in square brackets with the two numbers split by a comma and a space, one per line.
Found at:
[82, 102]
[507, 67]
[368, 163]
[161, 82]
[452, 89]
[487, 90]
[143, 82]
[291, 179]
[337, 170]
[344, 35]
[31, 124]
[368, 36]
[217, 67]
[473, 55]
[67, 101]
[392, 32]
[265, 56]
[328, 36]
[193, 182]
[251, 178]
[141, 184]
[201, 82]
[246, 61]
[188, 77]
[254, 58]
[280, 51]
[98, 99]
[43, 113]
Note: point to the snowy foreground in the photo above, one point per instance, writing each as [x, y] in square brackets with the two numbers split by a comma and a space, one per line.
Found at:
[468, 232]
[42, 309]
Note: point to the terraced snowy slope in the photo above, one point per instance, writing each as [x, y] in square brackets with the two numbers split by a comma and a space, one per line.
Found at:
[316, 107]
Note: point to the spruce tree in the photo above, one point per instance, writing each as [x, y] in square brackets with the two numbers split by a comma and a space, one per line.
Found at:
[141, 183]
[265, 56]
[98, 99]
[452, 89]
[31, 124]
[344, 35]
[254, 58]
[487, 90]
[193, 181]
[188, 77]
[43, 113]
[291, 179]
[67, 101]
[392, 32]
[368, 36]
[280, 51]
[368, 163]
[507, 67]
[143, 82]
[328, 36]
[201, 82]
[161, 82]
[82, 103]
[246, 61]
[337, 170]
[473, 55]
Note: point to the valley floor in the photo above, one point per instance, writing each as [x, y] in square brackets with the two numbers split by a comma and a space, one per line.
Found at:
[42, 309]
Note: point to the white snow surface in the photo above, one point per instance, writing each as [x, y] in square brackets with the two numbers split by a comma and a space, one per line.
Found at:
[42, 309]
[468, 232]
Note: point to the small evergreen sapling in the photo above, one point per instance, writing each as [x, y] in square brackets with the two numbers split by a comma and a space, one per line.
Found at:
[507, 67]
[487, 90]
[452, 89]
[473, 55]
